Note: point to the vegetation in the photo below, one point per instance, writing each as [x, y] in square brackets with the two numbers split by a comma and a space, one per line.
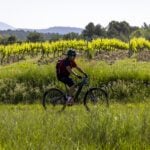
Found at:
[125, 124]
[26, 81]
[28, 69]
[121, 126]
[16, 52]
[34, 37]
[115, 29]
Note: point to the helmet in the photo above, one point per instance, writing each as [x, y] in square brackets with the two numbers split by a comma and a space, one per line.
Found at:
[71, 53]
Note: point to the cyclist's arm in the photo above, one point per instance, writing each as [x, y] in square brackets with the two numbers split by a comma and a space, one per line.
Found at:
[80, 70]
[71, 71]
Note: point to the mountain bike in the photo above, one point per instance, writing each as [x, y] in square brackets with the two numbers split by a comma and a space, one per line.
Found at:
[92, 95]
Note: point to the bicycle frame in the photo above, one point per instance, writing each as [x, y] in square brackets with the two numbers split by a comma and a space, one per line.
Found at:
[80, 86]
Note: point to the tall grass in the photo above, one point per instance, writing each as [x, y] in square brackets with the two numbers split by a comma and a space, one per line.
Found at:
[26, 81]
[117, 127]
[128, 69]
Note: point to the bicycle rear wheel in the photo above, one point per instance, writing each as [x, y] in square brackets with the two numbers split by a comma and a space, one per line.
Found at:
[55, 97]
[96, 96]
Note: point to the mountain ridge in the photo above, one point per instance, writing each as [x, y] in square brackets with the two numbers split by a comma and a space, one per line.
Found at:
[56, 29]
[4, 26]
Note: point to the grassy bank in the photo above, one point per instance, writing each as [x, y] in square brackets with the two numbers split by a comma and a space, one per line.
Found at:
[26, 81]
[117, 127]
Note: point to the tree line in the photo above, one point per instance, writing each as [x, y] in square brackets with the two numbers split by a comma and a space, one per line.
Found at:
[120, 30]
[115, 29]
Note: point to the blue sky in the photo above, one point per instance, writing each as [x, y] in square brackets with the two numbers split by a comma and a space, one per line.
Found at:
[75, 13]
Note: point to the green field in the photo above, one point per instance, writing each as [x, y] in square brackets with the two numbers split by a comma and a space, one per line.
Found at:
[28, 70]
[121, 126]
[26, 81]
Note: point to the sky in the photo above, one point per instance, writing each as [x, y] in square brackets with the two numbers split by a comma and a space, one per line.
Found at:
[74, 13]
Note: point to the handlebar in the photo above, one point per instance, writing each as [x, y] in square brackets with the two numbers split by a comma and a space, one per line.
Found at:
[84, 80]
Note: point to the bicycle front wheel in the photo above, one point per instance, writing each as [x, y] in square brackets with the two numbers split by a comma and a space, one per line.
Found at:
[55, 97]
[96, 96]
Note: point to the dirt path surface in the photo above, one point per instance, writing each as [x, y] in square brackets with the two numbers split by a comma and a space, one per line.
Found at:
[112, 56]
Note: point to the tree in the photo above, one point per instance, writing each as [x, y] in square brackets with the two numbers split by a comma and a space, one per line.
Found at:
[88, 33]
[35, 37]
[71, 35]
[137, 33]
[99, 31]
[11, 39]
[113, 28]
[8, 39]
[120, 30]
[146, 26]
[1, 39]
[146, 31]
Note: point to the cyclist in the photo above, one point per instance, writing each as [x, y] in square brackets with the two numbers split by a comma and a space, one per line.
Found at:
[64, 70]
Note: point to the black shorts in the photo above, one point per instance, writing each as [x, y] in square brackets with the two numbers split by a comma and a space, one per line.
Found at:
[66, 80]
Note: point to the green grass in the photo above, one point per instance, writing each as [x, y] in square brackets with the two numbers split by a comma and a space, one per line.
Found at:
[128, 69]
[117, 127]
[26, 81]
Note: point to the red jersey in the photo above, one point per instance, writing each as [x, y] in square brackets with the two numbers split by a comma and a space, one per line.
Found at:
[61, 67]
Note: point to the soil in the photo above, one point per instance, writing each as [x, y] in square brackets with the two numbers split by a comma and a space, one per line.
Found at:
[144, 56]
[112, 56]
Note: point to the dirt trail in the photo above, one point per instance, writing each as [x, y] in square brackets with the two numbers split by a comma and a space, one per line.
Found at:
[112, 56]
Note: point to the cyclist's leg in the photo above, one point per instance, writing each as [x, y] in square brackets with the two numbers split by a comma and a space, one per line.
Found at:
[69, 82]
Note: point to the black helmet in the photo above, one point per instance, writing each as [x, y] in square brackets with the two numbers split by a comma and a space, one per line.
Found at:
[71, 53]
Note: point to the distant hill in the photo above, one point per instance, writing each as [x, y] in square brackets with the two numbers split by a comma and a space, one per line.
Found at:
[4, 26]
[61, 30]
[20, 33]
[57, 29]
